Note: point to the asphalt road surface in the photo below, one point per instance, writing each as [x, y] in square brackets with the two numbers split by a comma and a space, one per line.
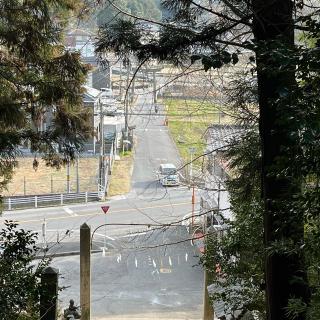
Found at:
[148, 272]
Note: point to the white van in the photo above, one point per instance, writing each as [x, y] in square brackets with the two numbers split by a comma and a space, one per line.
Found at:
[168, 175]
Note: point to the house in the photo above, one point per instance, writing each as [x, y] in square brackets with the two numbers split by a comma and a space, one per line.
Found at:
[214, 198]
[113, 120]
[215, 202]
[83, 41]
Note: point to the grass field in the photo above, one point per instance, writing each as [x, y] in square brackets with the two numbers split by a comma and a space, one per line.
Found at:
[121, 175]
[48, 180]
[188, 121]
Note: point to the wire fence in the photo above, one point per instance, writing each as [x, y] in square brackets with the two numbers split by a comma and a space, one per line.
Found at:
[28, 186]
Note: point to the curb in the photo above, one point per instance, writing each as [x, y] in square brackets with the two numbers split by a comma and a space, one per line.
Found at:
[64, 254]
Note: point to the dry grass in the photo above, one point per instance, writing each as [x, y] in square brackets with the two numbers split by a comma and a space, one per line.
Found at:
[46, 180]
[121, 175]
[188, 122]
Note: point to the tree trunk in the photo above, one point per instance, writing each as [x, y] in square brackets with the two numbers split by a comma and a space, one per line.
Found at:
[285, 273]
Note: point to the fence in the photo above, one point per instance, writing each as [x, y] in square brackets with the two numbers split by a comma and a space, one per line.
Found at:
[37, 201]
[20, 200]
[25, 186]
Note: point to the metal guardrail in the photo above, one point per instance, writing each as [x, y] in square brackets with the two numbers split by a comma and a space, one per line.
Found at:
[37, 201]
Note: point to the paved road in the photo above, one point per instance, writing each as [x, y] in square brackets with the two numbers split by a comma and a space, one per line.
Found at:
[154, 146]
[142, 276]
[137, 282]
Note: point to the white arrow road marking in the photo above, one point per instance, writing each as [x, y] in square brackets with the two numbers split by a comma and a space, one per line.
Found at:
[136, 262]
[155, 271]
[186, 256]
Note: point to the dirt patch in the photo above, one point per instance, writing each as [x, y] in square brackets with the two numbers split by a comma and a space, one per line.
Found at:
[121, 175]
[44, 180]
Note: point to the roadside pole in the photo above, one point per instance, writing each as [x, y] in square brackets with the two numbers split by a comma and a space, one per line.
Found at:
[132, 90]
[105, 210]
[127, 101]
[207, 308]
[154, 87]
[85, 271]
[192, 150]
[101, 173]
[120, 81]
[208, 312]
[193, 203]
[68, 176]
[77, 173]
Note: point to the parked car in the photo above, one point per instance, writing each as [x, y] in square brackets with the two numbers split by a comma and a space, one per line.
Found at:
[168, 175]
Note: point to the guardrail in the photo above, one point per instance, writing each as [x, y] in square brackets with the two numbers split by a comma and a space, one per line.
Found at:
[37, 201]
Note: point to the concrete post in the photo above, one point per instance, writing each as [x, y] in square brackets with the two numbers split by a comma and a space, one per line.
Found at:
[85, 271]
[49, 294]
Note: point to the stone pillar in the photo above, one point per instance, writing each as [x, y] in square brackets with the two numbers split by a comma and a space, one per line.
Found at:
[85, 271]
[49, 294]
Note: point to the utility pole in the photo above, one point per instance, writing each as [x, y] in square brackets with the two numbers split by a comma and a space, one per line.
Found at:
[127, 101]
[68, 175]
[207, 308]
[77, 174]
[154, 87]
[101, 168]
[132, 90]
[193, 198]
[120, 81]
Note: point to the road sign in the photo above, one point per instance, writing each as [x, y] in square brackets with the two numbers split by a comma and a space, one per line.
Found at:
[105, 208]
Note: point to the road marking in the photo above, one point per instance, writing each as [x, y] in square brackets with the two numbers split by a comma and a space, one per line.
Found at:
[154, 263]
[165, 270]
[133, 234]
[69, 211]
[119, 258]
[170, 262]
[99, 214]
[104, 236]
[136, 262]
[186, 256]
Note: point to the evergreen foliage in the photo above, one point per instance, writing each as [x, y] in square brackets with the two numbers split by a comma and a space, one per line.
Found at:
[38, 78]
[270, 254]
[143, 8]
[19, 278]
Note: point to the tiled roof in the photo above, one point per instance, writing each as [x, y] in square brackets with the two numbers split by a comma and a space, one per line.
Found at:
[220, 136]
[91, 94]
